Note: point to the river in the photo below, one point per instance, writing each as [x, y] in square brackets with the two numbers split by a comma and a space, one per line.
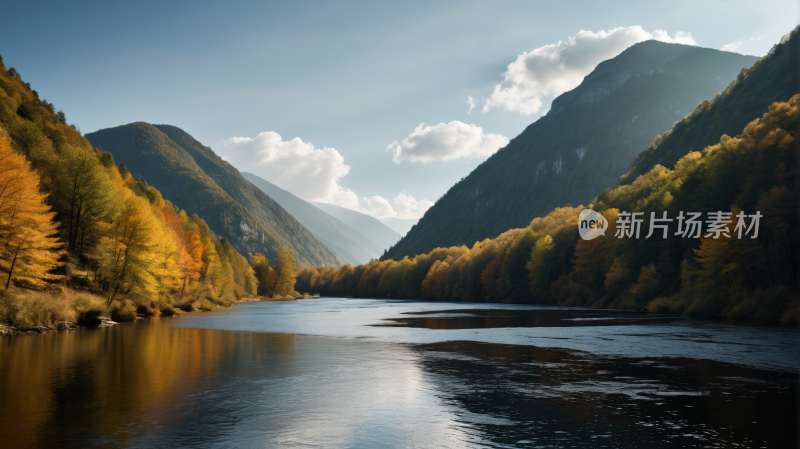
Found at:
[343, 372]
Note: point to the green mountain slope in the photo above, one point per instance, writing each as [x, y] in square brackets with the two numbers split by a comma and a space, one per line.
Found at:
[769, 80]
[197, 180]
[349, 244]
[371, 227]
[581, 147]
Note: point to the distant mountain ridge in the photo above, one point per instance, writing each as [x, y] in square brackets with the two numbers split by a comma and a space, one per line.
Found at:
[582, 146]
[194, 178]
[351, 245]
[371, 227]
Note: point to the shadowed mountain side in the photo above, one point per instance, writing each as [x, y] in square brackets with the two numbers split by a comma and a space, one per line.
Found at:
[195, 179]
[582, 146]
[774, 78]
[348, 243]
[369, 226]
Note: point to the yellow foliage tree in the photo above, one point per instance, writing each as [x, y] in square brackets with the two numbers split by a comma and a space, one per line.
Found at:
[261, 269]
[29, 248]
[287, 273]
[539, 266]
[129, 255]
[434, 284]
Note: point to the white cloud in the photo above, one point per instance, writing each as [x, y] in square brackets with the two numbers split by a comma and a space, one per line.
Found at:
[410, 207]
[471, 103]
[445, 142]
[405, 206]
[310, 173]
[556, 68]
[733, 46]
[377, 206]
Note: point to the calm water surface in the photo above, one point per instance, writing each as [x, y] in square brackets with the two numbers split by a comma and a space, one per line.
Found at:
[336, 372]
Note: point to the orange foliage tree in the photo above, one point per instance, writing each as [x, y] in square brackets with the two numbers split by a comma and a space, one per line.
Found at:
[29, 248]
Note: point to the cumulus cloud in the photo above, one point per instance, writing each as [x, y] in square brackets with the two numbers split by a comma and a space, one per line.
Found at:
[409, 207]
[471, 103]
[377, 206]
[405, 206]
[310, 173]
[445, 142]
[556, 68]
[733, 46]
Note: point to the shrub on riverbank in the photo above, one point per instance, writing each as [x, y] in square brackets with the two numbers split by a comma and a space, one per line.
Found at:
[88, 308]
[122, 312]
[25, 309]
[63, 307]
[168, 310]
[207, 306]
[664, 304]
[148, 309]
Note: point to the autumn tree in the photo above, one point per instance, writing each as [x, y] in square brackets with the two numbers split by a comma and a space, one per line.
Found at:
[244, 279]
[647, 286]
[88, 195]
[617, 277]
[287, 273]
[29, 248]
[191, 258]
[128, 254]
[261, 269]
[434, 285]
[540, 267]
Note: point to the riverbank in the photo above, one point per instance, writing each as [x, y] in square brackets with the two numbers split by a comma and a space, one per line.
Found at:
[62, 308]
[754, 310]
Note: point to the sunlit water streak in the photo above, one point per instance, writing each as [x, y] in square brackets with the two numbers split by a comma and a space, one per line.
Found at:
[337, 372]
[621, 333]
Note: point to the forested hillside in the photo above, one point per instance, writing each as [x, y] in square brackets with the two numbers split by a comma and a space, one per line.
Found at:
[196, 179]
[774, 78]
[744, 269]
[582, 146]
[69, 217]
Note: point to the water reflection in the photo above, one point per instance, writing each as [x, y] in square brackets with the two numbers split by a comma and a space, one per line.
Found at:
[497, 318]
[151, 384]
[524, 395]
[102, 384]
[409, 384]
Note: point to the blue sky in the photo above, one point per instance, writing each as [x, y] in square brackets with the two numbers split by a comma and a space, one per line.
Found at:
[343, 79]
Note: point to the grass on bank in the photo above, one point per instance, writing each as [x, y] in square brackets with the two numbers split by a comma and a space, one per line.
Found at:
[63, 307]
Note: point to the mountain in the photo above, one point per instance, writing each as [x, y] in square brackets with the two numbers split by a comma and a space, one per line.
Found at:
[740, 263]
[349, 244]
[71, 211]
[371, 227]
[194, 178]
[748, 96]
[401, 225]
[581, 146]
